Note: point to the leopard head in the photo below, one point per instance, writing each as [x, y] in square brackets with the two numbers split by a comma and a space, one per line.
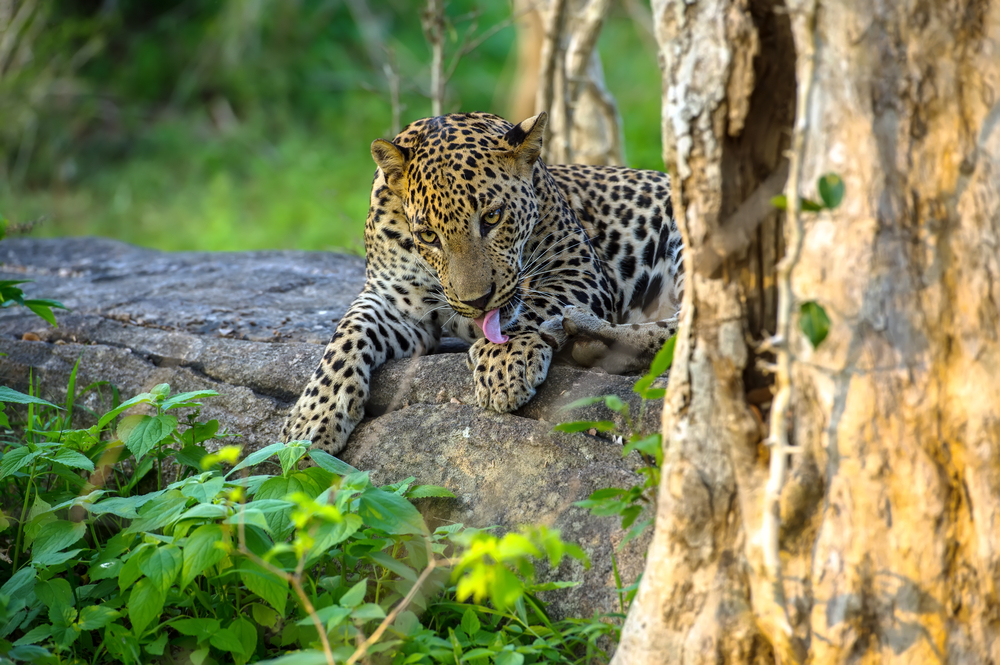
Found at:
[465, 182]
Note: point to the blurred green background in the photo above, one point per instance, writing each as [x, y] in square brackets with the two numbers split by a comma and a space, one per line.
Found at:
[244, 124]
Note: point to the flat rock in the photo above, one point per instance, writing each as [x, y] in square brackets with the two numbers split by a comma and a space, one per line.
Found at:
[253, 325]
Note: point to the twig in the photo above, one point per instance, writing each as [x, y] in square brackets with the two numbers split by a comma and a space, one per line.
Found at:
[392, 77]
[432, 563]
[784, 642]
[468, 47]
[294, 580]
[433, 24]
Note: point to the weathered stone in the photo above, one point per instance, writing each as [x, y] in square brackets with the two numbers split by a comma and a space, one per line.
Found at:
[252, 326]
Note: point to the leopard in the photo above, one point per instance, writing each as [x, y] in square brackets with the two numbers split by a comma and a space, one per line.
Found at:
[470, 234]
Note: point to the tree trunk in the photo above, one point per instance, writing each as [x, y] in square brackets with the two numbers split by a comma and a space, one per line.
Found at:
[890, 517]
[558, 60]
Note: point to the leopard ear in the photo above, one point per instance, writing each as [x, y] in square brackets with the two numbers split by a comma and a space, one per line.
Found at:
[392, 159]
[526, 140]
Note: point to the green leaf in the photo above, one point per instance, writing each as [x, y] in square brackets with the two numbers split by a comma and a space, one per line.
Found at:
[368, 612]
[108, 570]
[389, 512]
[470, 622]
[266, 584]
[41, 309]
[582, 402]
[508, 658]
[831, 190]
[780, 202]
[142, 398]
[11, 396]
[162, 566]
[257, 457]
[353, 596]
[200, 628]
[330, 617]
[476, 654]
[813, 322]
[205, 491]
[650, 446]
[394, 565]
[289, 456]
[200, 432]
[124, 507]
[148, 432]
[157, 646]
[36, 634]
[330, 534]
[20, 584]
[97, 616]
[200, 552]
[159, 512]
[584, 425]
[664, 357]
[57, 536]
[331, 463]
[246, 633]
[264, 615]
[226, 640]
[423, 491]
[145, 604]
[15, 460]
[130, 571]
[72, 459]
[615, 403]
[187, 399]
[55, 593]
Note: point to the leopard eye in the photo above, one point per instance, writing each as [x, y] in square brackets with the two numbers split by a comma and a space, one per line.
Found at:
[493, 217]
[428, 236]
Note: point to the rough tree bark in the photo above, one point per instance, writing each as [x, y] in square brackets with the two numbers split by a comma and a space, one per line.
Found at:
[890, 517]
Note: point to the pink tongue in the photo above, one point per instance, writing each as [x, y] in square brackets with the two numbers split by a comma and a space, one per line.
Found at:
[490, 323]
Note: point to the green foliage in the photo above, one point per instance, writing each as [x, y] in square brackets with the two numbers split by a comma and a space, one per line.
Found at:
[632, 502]
[11, 295]
[813, 322]
[108, 564]
[813, 319]
[831, 190]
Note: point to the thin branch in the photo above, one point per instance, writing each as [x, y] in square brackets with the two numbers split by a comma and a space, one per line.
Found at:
[294, 580]
[391, 70]
[468, 47]
[433, 24]
[432, 563]
[784, 642]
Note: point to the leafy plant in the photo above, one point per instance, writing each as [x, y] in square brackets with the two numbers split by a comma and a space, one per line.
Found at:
[237, 566]
[11, 294]
[629, 503]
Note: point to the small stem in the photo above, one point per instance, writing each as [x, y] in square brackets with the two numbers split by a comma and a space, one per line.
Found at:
[24, 514]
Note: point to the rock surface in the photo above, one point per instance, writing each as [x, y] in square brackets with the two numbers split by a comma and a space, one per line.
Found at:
[253, 326]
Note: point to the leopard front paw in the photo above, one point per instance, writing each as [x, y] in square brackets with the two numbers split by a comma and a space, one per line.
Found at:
[506, 375]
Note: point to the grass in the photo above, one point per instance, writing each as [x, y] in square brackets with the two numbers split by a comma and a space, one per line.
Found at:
[186, 184]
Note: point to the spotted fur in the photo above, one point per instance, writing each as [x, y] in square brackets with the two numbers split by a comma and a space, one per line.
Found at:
[464, 219]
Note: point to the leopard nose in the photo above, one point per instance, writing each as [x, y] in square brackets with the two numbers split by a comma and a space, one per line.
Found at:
[482, 301]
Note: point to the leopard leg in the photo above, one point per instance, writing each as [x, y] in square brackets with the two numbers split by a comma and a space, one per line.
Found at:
[621, 348]
[506, 375]
[372, 331]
